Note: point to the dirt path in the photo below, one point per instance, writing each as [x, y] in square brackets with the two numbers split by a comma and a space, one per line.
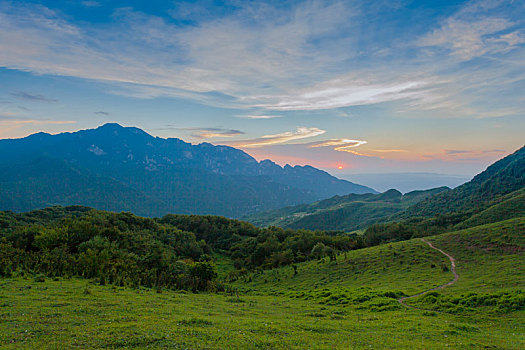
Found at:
[452, 268]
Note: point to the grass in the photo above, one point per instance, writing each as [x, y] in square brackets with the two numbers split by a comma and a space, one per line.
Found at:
[58, 315]
[489, 258]
[348, 304]
[409, 266]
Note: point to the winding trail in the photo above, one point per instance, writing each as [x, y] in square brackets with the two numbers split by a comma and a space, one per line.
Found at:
[452, 268]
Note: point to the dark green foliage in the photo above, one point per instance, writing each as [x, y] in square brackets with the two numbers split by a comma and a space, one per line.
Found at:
[125, 249]
[252, 247]
[218, 231]
[118, 248]
[275, 247]
[416, 227]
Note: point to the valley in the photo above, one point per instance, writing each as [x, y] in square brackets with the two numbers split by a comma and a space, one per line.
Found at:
[79, 277]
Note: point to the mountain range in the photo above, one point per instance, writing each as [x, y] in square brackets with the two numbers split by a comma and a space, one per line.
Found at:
[125, 169]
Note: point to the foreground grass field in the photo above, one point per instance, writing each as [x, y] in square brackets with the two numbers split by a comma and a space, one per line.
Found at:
[349, 303]
[74, 314]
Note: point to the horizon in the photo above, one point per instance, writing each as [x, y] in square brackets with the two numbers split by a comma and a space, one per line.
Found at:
[346, 87]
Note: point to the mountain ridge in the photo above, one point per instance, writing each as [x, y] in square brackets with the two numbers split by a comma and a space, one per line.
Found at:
[178, 177]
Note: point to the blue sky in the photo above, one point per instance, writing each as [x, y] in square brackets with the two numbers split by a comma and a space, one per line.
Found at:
[375, 86]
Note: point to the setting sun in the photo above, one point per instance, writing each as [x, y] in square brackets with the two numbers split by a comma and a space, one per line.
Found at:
[340, 167]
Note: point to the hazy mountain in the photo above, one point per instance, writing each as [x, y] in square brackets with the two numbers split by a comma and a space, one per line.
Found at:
[406, 182]
[124, 168]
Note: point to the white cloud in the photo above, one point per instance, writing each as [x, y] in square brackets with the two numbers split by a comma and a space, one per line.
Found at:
[338, 142]
[266, 140]
[343, 92]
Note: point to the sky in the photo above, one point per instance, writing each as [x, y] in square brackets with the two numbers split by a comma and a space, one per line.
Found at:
[352, 87]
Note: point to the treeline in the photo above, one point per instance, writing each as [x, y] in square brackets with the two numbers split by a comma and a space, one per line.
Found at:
[416, 227]
[113, 248]
[174, 251]
[275, 247]
[252, 247]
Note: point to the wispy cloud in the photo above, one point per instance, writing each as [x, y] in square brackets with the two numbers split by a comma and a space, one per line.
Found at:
[390, 150]
[256, 116]
[454, 152]
[464, 155]
[90, 3]
[10, 118]
[22, 95]
[102, 113]
[479, 28]
[343, 92]
[338, 142]
[267, 140]
[313, 55]
[206, 133]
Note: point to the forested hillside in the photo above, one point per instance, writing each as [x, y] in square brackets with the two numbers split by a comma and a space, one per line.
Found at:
[348, 213]
[494, 195]
[484, 190]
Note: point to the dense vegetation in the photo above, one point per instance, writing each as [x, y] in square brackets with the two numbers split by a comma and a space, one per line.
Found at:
[115, 248]
[174, 251]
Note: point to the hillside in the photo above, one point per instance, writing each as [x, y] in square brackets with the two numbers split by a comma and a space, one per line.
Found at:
[123, 168]
[347, 213]
[498, 247]
[485, 189]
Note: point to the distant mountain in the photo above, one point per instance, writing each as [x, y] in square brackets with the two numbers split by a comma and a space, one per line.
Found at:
[406, 182]
[347, 213]
[124, 168]
[486, 189]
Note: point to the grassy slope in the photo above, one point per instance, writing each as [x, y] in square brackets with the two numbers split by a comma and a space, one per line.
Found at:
[510, 206]
[489, 257]
[58, 314]
[498, 248]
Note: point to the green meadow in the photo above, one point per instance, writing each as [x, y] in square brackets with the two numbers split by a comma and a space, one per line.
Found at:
[347, 303]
